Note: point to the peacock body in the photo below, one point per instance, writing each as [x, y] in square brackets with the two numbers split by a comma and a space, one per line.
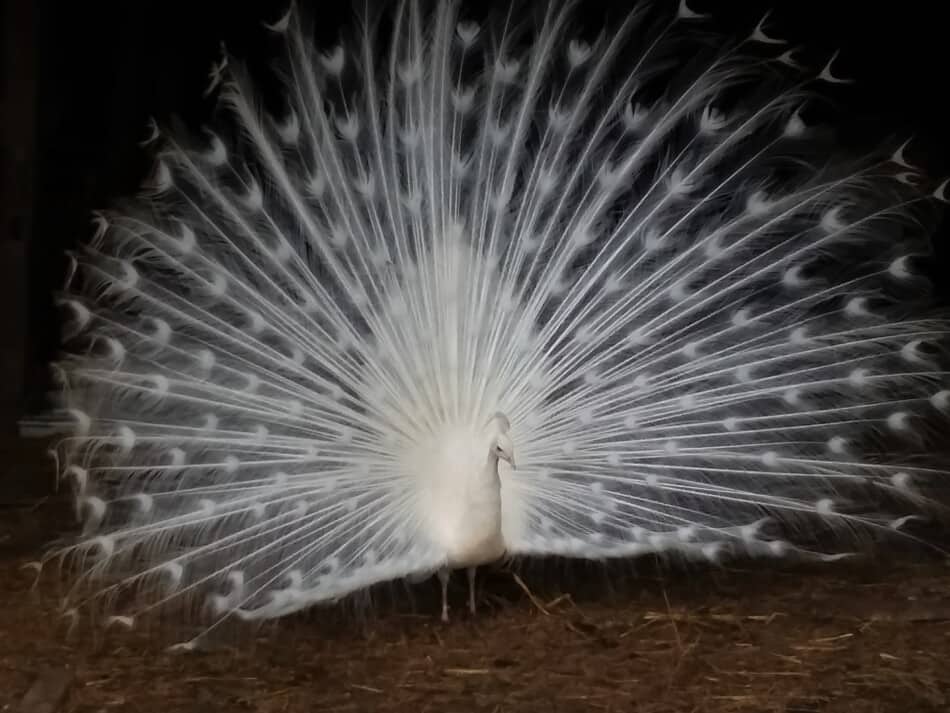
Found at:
[494, 291]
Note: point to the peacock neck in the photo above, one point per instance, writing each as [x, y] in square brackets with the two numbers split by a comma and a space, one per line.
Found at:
[490, 472]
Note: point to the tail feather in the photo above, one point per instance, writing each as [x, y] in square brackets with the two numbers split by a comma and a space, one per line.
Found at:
[704, 342]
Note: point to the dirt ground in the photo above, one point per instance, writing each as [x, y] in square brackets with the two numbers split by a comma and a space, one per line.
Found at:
[828, 638]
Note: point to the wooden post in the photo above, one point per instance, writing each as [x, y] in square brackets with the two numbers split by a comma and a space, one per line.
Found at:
[18, 69]
[18, 73]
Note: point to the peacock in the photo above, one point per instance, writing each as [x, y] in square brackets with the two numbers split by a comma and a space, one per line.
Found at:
[484, 287]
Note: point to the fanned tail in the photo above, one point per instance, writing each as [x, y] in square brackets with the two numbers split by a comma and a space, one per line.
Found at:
[705, 340]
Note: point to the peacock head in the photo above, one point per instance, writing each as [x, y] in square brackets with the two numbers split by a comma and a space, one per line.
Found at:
[502, 448]
[505, 449]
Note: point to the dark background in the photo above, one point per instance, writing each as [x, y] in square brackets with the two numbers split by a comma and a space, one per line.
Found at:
[80, 79]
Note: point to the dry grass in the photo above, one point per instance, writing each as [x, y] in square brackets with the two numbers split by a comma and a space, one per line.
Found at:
[838, 638]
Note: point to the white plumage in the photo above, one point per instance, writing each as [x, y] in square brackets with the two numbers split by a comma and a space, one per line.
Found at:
[310, 357]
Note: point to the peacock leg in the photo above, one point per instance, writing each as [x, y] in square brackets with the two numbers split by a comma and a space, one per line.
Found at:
[471, 589]
[444, 581]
